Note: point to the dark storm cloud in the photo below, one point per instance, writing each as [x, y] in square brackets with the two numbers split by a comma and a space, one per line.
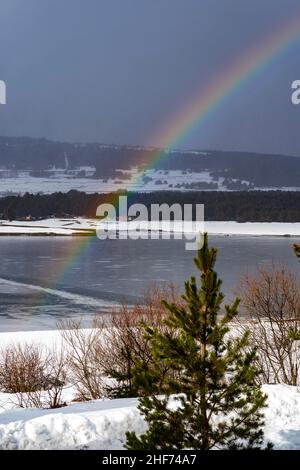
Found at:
[116, 71]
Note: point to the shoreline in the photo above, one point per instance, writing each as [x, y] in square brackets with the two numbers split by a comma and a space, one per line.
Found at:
[88, 227]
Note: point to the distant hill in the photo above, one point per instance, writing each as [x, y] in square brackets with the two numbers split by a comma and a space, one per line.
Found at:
[222, 170]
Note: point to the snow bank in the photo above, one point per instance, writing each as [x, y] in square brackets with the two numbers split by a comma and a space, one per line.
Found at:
[102, 424]
[282, 426]
[93, 425]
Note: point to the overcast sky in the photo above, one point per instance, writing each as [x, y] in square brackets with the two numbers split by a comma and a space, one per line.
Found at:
[116, 71]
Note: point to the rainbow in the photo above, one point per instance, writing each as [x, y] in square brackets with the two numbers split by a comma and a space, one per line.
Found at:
[205, 102]
[253, 62]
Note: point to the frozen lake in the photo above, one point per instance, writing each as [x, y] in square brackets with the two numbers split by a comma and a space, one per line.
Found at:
[43, 279]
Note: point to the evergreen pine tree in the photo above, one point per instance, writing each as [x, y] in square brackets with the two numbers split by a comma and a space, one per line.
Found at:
[211, 400]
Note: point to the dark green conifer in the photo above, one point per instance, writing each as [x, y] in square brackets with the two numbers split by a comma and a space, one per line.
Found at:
[211, 399]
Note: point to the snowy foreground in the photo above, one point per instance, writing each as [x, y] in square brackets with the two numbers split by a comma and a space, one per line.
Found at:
[102, 424]
[82, 226]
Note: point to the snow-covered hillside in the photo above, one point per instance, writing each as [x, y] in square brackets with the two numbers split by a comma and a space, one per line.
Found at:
[82, 179]
[41, 165]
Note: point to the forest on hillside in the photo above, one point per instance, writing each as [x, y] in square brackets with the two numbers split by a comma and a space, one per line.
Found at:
[40, 155]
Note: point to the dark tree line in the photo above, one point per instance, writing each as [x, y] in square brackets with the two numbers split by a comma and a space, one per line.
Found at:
[256, 206]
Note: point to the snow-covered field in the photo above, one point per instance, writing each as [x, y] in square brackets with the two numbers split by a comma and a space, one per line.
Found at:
[64, 181]
[82, 226]
[82, 179]
[102, 424]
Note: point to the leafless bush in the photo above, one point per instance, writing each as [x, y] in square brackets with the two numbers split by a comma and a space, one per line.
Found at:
[85, 366]
[109, 350]
[125, 342]
[56, 379]
[271, 301]
[34, 375]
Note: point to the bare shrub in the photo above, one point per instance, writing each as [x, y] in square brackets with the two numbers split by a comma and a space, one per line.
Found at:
[56, 379]
[124, 342]
[22, 373]
[271, 302]
[85, 367]
[102, 358]
[34, 375]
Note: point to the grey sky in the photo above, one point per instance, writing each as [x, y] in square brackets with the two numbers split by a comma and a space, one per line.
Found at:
[116, 71]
